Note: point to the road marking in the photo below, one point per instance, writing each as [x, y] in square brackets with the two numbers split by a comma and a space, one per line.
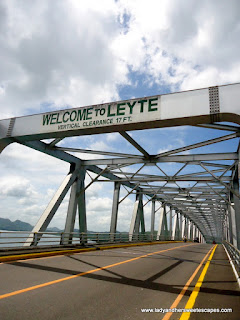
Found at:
[194, 294]
[39, 258]
[128, 252]
[10, 294]
[28, 256]
[181, 294]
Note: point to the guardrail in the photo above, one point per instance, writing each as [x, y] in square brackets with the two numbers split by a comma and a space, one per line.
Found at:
[234, 254]
[11, 239]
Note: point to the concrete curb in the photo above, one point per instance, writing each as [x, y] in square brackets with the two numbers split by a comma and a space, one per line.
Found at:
[73, 251]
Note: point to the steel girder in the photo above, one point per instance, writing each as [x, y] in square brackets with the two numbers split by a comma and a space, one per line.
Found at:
[203, 202]
[204, 198]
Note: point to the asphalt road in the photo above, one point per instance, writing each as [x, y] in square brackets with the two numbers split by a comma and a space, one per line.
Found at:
[113, 284]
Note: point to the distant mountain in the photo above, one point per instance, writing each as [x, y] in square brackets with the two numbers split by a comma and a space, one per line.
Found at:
[8, 225]
[53, 229]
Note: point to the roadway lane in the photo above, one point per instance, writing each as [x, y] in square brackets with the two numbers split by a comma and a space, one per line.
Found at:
[118, 292]
[219, 290]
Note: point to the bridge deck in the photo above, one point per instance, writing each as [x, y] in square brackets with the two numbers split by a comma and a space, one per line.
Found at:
[219, 289]
[117, 284]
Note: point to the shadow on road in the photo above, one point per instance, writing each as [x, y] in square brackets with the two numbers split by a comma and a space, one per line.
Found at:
[119, 279]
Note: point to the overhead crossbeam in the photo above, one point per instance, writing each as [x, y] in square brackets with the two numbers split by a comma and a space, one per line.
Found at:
[135, 144]
[198, 145]
[54, 142]
[194, 158]
[219, 126]
[173, 179]
[105, 153]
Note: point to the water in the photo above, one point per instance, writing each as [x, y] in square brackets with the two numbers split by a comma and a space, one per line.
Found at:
[16, 239]
[10, 239]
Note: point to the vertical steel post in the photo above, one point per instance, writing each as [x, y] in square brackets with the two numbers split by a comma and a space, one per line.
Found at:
[173, 235]
[196, 232]
[234, 227]
[180, 226]
[226, 229]
[186, 227]
[160, 226]
[237, 210]
[189, 229]
[183, 226]
[137, 218]
[230, 235]
[165, 223]
[113, 226]
[170, 224]
[71, 214]
[141, 214]
[153, 217]
[81, 201]
[175, 231]
[133, 220]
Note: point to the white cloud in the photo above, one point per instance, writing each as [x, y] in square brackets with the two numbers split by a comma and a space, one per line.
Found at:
[182, 43]
[16, 187]
[101, 204]
[94, 190]
[57, 54]
[112, 137]
[99, 145]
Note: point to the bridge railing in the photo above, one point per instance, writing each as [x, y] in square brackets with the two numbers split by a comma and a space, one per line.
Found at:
[11, 239]
[234, 254]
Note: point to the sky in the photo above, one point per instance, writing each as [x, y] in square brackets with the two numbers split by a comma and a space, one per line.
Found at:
[68, 53]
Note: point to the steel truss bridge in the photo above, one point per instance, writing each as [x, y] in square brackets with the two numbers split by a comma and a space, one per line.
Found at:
[200, 200]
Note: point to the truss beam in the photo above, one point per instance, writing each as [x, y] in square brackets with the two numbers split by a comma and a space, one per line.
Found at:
[135, 144]
[198, 145]
[195, 158]
[52, 207]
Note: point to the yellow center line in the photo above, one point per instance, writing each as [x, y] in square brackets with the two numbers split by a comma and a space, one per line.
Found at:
[194, 294]
[181, 294]
[52, 254]
[10, 294]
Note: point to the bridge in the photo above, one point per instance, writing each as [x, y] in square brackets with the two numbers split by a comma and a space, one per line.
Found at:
[198, 202]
